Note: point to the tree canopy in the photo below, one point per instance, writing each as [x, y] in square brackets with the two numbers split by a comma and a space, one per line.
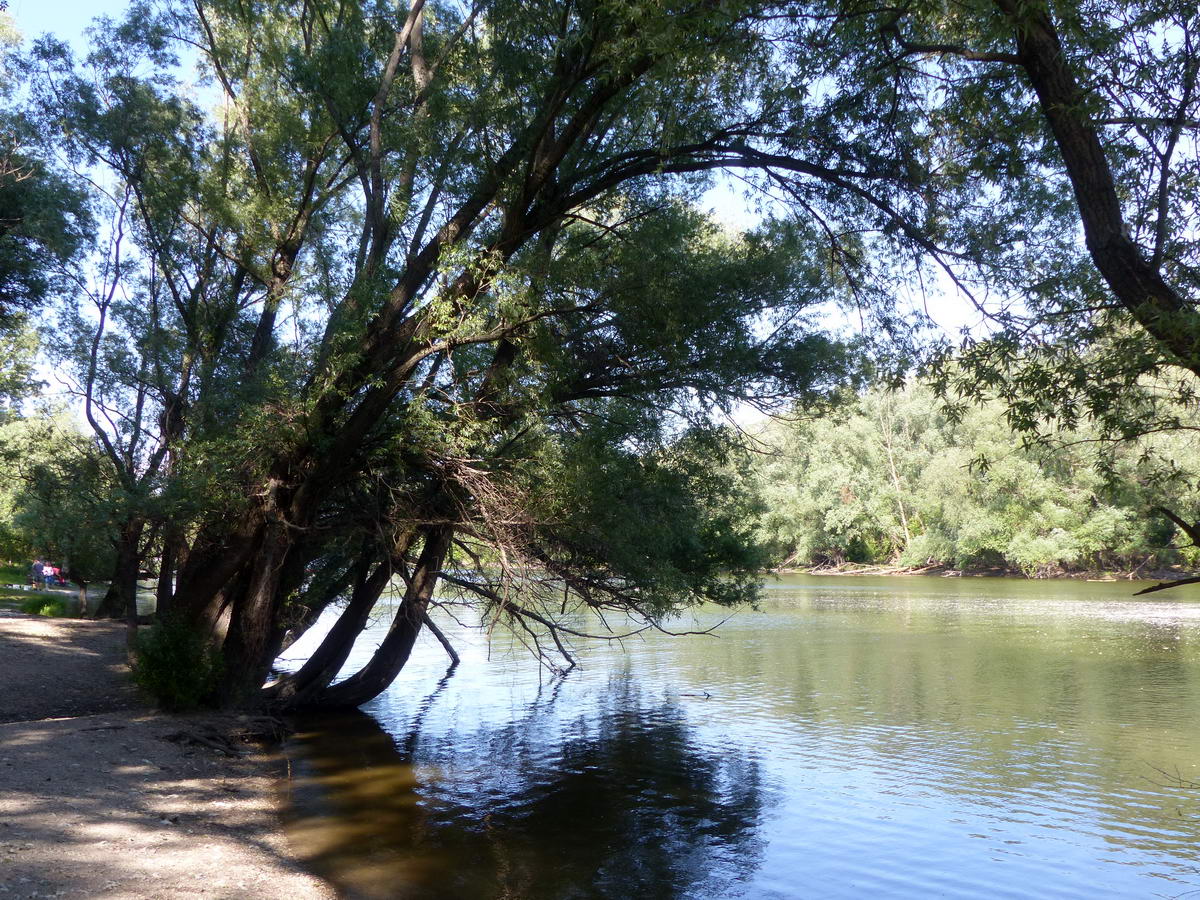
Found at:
[429, 292]
[44, 218]
[891, 477]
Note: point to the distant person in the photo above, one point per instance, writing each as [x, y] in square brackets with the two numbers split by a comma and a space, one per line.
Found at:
[36, 578]
[48, 574]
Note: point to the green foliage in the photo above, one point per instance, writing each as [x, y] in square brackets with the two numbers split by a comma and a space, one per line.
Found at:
[54, 607]
[43, 224]
[175, 666]
[677, 523]
[891, 477]
[44, 218]
[57, 497]
[380, 271]
[18, 348]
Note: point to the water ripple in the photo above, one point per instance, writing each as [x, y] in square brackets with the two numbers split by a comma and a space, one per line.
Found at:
[859, 737]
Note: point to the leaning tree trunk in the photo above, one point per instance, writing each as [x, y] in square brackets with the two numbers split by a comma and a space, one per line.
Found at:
[235, 580]
[375, 677]
[211, 570]
[1137, 282]
[300, 687]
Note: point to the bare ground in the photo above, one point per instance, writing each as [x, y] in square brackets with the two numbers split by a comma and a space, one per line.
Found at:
[62, 667]
[101, 798]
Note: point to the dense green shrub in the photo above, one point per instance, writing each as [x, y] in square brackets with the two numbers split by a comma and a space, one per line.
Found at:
[175, 666]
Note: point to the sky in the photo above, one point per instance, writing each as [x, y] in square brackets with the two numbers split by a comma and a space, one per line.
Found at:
[63, 18]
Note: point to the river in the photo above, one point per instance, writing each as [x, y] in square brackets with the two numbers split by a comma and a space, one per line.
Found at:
[896, 737]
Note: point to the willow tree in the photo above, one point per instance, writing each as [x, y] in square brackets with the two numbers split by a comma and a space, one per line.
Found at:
[430, 283]
[463, 316]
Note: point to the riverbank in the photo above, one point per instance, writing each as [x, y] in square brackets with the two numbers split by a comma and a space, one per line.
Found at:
[103, 798]
[1139, 574]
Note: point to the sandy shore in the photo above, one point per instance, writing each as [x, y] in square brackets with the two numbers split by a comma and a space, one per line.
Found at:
[101, 798]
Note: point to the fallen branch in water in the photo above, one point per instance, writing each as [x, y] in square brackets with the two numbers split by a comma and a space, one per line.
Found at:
[1162, 586]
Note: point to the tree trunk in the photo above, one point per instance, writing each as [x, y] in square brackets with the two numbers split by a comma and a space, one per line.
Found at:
[254, 634]
[165, 590]
[236, 580]
[120, 601]
[886, 424]
[296, 689]
[393, 653]
[214, 565]
[1135, 281]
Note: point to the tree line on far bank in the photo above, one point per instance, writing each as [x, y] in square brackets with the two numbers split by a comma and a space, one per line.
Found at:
[899, 477]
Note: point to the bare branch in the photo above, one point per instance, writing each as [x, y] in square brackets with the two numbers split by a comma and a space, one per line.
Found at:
[442, 639]
[1166, 585]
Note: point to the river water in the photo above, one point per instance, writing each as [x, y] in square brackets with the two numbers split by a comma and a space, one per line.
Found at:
[894, 737]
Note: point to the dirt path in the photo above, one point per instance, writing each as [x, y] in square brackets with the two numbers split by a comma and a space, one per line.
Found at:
[101, 798]
[61, 667]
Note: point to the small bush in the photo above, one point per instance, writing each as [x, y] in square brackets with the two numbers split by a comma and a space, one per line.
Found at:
[175, 666]
[47, 606]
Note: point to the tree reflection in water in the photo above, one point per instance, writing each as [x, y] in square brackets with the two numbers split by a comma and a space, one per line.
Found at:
[619, 801]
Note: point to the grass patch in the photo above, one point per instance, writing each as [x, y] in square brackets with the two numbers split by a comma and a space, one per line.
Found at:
[48, 605]
[14, 574]
[15, 597]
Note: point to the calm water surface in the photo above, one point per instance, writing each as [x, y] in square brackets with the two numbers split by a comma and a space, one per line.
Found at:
[897, 737]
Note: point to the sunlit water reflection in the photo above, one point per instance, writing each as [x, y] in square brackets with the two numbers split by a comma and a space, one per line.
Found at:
[857, 737]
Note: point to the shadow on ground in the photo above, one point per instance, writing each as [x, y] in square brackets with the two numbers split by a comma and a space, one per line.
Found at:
[62, 667]
[121, 805]
[103, 799]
